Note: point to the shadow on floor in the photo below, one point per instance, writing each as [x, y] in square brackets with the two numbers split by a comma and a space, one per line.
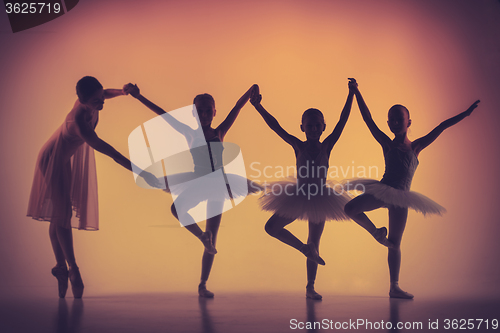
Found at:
[241, 313]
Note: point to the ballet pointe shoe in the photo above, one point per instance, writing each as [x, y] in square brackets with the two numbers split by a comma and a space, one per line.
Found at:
[310, 252]
[380, 236]
[396, 292]
[76, 282]
[204, 292]
[61, 274]
[312, 294]
[206, 239]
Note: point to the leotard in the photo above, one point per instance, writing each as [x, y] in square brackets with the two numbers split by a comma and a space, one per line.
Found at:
[309, 196]
[394, 187]
[203, 183]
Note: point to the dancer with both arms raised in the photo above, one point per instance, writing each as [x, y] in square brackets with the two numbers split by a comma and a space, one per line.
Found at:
[204, 165]
[309, 197]
[393, 191]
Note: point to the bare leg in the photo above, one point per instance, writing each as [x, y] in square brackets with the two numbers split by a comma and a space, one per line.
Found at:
[60, 271]
[65, 240]
[65, 237]
[208, 238]
[397, 224]
[275, 227]
[315, 232]
[60, 237]
[56, 247]
[355, 210]
[208, 258]
[62, 245]
[192, 226]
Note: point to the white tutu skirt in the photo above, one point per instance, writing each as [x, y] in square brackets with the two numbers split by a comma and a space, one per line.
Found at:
[216, 186]
[392, 196]
[306, 202]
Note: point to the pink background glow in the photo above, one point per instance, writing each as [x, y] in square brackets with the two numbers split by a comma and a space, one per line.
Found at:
[435, 57]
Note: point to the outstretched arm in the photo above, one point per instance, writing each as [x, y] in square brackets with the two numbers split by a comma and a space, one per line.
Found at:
[134, 90]
[91, 138]
[111, 93]
[380, 136]
[231, 117]
[332, 139]
[424, 141]
[271, 121]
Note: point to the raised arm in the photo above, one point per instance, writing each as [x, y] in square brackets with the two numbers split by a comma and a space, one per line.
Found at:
[135, 92]
[111, 93]
[332, 139]
[424, 141]
[380, 136]
[231, 117]
[271, 121]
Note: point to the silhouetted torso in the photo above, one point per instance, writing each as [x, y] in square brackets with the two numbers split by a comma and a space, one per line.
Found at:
[400, 167]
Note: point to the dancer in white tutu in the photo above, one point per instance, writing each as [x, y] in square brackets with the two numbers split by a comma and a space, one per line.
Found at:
[308, 197]
[393, 191]
[205, 163]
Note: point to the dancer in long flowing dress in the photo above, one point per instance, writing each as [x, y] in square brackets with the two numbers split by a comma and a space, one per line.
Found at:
[188, 197]
[65, 179]
[310, 196]
[393, 191]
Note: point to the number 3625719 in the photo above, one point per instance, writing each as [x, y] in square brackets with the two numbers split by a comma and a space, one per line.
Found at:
[32, 8]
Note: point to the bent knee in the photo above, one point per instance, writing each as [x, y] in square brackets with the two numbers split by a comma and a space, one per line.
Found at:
[271, 229]
[351, 209]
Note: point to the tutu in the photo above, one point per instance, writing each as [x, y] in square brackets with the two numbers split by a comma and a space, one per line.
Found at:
[394, 188]
[392, 196]
[306, 202]
[309, 196]
[208, 190]
[208, 181]
[65, 179]
[216, 186]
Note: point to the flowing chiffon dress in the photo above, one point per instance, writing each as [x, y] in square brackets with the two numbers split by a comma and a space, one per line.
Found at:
[65, 178]
[310, 196]
[394, 187]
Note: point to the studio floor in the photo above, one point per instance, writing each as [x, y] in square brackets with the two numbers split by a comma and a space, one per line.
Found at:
[239, 312]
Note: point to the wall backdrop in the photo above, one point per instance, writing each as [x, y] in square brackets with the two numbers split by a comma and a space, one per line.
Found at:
[435, 57]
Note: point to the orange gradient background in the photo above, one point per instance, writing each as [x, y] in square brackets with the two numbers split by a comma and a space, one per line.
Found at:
[435, 57]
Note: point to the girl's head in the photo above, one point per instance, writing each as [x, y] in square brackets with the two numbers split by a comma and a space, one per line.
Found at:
[398, 119]
[313, 123]
[90, 92]
[205, 106]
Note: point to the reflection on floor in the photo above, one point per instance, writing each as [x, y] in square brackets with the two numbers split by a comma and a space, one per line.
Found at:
[240, 313]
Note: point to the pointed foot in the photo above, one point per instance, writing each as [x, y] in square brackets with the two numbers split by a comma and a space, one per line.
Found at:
[61, 274]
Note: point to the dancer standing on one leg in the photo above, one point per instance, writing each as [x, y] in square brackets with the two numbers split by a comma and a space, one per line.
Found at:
[393, 191]
[65, 179]
[190, 197]
[309, 197]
